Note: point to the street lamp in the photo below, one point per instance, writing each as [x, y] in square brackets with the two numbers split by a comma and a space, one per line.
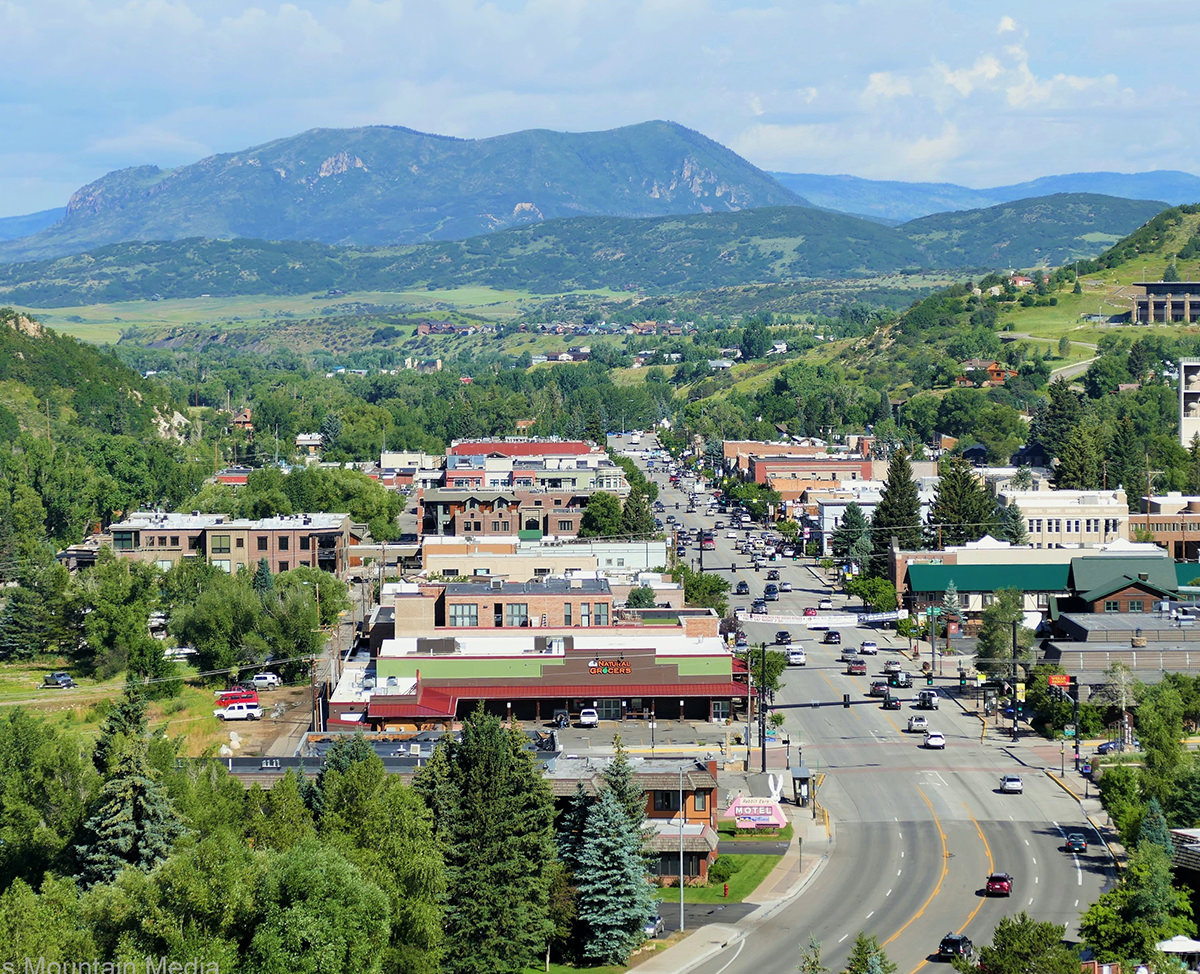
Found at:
[681, 818]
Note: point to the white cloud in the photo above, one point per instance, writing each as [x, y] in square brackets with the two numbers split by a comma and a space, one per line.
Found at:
[1006, 25]
[884, 84]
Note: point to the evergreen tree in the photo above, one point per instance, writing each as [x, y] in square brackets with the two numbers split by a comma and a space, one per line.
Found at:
[1154, 828]
[1010, 521]
[614, 896]
[331, 429]
[993, 653]
[124, 725]
[1126, 463]
[1022, 944]
[569, 833]
[602, 517]
[951, 604]
[622, 782]
[493, 816]
[867, 957]
[962, 510]
[637, 520]
[851, 540]
[263, 582]
[1057, 417]
[134, 823]
[897, 515]
[1079, 460]
[810, 960]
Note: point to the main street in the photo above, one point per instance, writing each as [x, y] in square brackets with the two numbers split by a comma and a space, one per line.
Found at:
[917, 831]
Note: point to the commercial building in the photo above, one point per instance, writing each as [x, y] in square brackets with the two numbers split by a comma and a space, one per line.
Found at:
[1189, 399]
[1070, 518]
[317, 540]
[525, 514]
[1166, 302]
[1173, 520]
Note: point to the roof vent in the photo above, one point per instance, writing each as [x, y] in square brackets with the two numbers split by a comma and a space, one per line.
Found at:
[1143, 576]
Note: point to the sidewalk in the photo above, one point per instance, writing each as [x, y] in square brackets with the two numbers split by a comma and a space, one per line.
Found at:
[798, 867]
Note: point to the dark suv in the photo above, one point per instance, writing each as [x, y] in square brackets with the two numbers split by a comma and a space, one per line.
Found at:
[955, 945]
[832, 638]
[743, 588]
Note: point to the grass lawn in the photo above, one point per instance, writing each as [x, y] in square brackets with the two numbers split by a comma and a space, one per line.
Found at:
[643, 954]
[728, 833]
[752, 870]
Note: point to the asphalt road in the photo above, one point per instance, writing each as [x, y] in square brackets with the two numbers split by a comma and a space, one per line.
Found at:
[917, 831]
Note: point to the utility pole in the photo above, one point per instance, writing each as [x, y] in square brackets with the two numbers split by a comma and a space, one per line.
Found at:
[762, 711]
[1015, 702]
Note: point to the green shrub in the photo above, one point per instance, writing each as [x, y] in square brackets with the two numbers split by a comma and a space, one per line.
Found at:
[721, 870]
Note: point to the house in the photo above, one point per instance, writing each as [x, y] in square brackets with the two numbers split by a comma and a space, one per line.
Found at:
[309, 443]
[241, 420]
[720, 364]
[1020, 280]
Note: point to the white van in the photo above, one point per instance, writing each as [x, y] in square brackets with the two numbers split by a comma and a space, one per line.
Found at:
[239, 711]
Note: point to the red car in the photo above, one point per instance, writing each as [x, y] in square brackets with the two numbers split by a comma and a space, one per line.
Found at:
[999, 884]
[810, 611]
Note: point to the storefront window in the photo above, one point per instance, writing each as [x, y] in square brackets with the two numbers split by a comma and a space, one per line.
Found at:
[464, 614]
[516, 614]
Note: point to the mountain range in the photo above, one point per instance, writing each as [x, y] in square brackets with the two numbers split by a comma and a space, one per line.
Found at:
[896, 202]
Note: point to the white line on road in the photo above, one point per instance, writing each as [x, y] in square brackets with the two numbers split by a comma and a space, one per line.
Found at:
[869, 915]
[1027, 842]
[901, 853]
[888, 893]
[899, 871]
[741, 944]
[843, 937]
[1035, 860]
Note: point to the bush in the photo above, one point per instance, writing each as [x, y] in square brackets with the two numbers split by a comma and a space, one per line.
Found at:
[722, 870]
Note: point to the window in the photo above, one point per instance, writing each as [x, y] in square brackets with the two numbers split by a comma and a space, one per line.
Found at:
[516, 614]
[558, 502]
[601, 614]
[505, 525]
[541, 572]
[566, 613]
[283, 542]
[585, 613]
[164, 564]
[464, 614]
[564, 525]
[223, 564]
[261, 542]
[495, 526]
[283, 566]
[149, 541]
[701, 800]
[620, 562]
[241, 542]
[666, 801]
[194, 543]
[1137, 605]
[305, 542]
[1112, 605]
[220, 545]
[989, 598]
[162, 540]
[174, 541]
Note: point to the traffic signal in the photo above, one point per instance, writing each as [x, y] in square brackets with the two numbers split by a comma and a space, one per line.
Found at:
[929, 679]
[846, 700]
[962, 681]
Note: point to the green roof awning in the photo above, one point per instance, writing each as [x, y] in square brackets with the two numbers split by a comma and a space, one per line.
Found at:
[987, 578]
[1186, 572]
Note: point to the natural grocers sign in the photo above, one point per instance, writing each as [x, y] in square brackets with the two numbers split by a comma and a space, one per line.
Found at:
[610, 667]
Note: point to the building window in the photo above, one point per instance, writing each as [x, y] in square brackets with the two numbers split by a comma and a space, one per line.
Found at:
[564, 525]
[506, 525]
[149, 541]
[495, 526]
[666, 801]
[240, 543]
[464, 614]
[123, 541]
[261, 543]
[220, 545]
[194, 543]
[305, 542]
[223, 564]
[174, 541]
[620, 562]
[516, 614]
[164, 564]
[541, 572]
[701, 800]
[1137, 605]
[989, 598]
[1112, 605]
[566, 613]
[601, 614]
[283, 566]
[585, 613]
[162, 540]
[283, 542]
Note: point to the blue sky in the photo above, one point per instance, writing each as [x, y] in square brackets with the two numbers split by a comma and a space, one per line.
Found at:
[978, 93]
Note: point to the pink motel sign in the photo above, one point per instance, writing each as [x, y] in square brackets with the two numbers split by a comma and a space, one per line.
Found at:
[757, 813]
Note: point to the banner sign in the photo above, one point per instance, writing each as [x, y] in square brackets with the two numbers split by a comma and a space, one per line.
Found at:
[757, 813]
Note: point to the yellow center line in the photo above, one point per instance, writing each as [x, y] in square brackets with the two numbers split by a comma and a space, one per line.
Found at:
[945, 868]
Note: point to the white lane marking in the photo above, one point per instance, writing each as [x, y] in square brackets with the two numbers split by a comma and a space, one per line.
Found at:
[901, 853]
[1035, 880]
[741, 944]
[1027, 842]
[899, 871]
[1031, 901]
[1035, 860]
[843, 937]
[888, 893]
[1078, 873]
[1077, 904]
[1055, 824]
[869, 915]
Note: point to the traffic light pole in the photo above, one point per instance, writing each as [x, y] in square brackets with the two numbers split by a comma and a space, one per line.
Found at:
[1015, 703]
[1075, 701]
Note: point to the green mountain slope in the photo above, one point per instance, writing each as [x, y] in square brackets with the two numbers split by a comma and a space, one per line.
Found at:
[662, 254]
[386, 185]
[1045, 230]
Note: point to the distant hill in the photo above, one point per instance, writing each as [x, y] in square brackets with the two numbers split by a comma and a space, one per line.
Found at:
[388, 185]
[661, 254]
[892, 200]
[12, 227]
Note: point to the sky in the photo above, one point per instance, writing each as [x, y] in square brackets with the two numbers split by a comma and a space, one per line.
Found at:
[976, 92]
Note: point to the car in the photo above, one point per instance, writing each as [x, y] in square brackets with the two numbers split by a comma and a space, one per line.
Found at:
[771, 592]
[758, 607]
[1011, 784]
[935, 741]
[588, 717]
[265, 681]
[743, 588]
[1115, 747]
[868, 648]
[59, 680]
[731, 534]
[783, 638]
[892, 666]
[785, 586]
[773, 575]
[654, 927]
[681, 551]
[848, 653]
[918, 722]
[809, 611]
[832, 638]
[741, 641]
[796, 657]
[719, 526]
[1076, 842]
[825, 604]
[226, 697]
[879, 689]
[998, 884]
[788, 552]
[955, 945]
[670, 518]
[856, 667]
[239, 711]
[891, 703]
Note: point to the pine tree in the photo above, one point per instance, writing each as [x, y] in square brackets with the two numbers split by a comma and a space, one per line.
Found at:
[614, 897]
[897, 515]
[1154, 828]
[851, 540]
[569, 834]
[493, 816]
[1057, 417]
[951, 604]
[1010, 521]
[622, 782]
[123, 726]
[1126, 463]
[1079, 460]
[867, 957]
[962, 508]
[263, 582]
[637, 520]
[134, 823]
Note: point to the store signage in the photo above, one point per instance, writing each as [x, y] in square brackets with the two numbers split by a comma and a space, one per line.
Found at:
[757, 813]
[610, 667]
[1058, 680]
